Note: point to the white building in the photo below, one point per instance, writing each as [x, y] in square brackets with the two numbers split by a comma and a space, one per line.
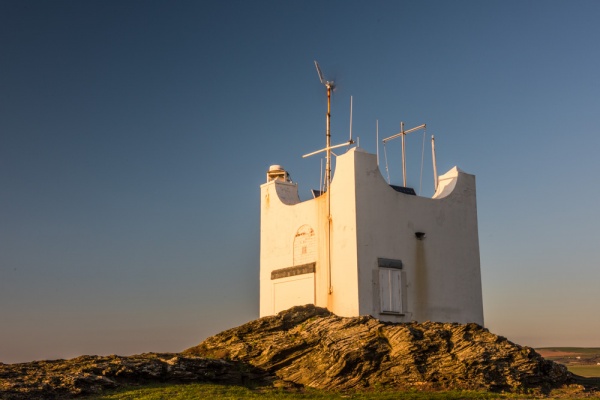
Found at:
[396, 256]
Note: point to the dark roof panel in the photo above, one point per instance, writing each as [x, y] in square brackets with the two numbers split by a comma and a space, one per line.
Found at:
[405, 190]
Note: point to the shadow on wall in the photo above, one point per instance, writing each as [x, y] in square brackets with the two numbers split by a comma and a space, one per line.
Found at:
[421, 286]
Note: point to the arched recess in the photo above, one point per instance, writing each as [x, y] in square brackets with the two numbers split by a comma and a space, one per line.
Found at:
[305, 246]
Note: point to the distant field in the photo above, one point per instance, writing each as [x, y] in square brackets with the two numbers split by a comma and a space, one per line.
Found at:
[582, 361]
[557, 351]
[589, 371]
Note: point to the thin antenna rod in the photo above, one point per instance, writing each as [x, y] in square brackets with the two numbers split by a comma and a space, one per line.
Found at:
[326, 149]
[386, 163]
[321, 178]
[377, 139]
[402, 134]
[328, 181]
[435, 176]
[422, 157]
[403, 155]
[350, 119]
[319, 72]
[328, 134]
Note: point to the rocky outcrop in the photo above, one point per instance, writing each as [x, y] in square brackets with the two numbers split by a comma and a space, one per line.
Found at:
[61, 379]
[310, 346]
[307, 346]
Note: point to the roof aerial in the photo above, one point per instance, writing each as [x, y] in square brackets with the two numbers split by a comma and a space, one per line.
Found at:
[329, 85]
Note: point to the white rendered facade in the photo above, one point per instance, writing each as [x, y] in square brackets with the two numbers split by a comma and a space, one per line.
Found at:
[395, 256]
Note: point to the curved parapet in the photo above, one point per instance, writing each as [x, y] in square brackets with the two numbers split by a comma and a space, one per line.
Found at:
[281, 183]
[364, 165]
[447, 183]
[287, 193]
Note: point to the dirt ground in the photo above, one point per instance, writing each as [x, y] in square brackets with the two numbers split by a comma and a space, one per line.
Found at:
[556, 353]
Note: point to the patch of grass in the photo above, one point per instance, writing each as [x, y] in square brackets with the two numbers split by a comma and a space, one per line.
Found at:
[178, 392]
[212, 391]
[590, 371]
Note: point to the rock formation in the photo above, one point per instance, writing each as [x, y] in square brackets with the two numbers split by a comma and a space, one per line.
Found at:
[310, 346]
[307, 346]
[60, 379]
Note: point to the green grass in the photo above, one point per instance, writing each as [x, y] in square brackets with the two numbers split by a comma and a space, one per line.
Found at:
[580, 360]
[212, 391]
[590, 371]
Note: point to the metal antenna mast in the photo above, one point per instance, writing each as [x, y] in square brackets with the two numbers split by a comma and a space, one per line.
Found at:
[350, 119]
[402, 134]
[329, 85]
[435, 176]
[377, 139]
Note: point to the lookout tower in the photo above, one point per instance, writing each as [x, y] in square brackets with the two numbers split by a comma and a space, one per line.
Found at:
[389, 253]
[366, 247]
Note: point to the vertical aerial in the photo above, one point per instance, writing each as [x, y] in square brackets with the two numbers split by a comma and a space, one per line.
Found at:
[402, 134]
[435, 176]
[329, 85]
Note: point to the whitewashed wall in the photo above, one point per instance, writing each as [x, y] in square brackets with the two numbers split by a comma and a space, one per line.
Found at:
[439, 277]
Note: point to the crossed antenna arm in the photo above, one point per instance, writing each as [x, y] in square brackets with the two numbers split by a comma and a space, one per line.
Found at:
[319, 72]
[348, 143]
[328, 84]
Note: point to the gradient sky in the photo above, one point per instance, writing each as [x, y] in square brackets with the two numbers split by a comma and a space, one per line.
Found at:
[134, 136]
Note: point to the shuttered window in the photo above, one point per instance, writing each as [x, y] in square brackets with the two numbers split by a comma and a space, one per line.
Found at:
[390, 286]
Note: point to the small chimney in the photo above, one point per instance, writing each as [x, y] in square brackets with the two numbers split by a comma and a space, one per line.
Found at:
[277, 173]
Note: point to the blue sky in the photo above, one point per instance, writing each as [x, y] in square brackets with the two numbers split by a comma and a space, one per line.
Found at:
[134, 136]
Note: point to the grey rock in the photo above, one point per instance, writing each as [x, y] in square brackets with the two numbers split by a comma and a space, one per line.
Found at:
[310, 346]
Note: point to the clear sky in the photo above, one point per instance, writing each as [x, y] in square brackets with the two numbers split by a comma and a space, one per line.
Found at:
[134, 136]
